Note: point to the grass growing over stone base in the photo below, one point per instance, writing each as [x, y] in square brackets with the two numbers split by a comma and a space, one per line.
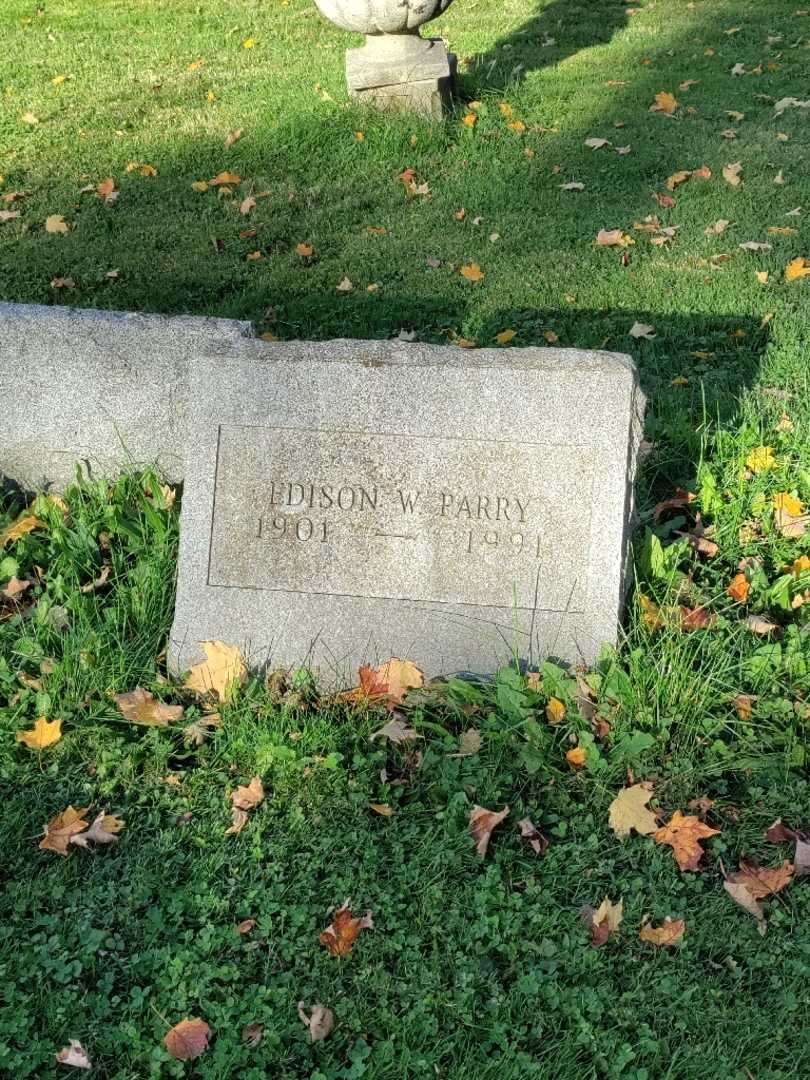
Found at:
[474, 969]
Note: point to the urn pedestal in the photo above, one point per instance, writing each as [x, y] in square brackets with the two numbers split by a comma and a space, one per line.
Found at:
[395, 68]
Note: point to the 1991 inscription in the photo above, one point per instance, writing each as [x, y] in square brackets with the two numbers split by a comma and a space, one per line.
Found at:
[458, 521]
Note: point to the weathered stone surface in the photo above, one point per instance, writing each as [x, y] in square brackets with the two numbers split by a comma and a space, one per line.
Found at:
[101, 388]
[349, 501]
[402, 71]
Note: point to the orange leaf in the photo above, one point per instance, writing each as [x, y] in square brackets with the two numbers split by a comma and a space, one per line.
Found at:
[576, 757]
[59, 830]
[739, 588]
[665, 102]
[141, 707]
[762, 881]
[473, 272]
[188, 1039]
[682, 833]
[341, 934]
[555, 711]
[797, 268]
[43, 733]
[225, 178]
[24, 524]
[249, 796]
[482, 823]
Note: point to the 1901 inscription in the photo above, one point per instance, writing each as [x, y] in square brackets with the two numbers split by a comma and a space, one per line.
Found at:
[458, 521]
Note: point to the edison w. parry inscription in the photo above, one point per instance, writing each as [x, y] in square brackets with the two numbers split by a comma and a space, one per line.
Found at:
[394, 516]
[349, 501]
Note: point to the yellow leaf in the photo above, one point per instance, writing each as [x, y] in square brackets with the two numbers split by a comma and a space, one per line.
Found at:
[797, 268]
[473, 272]
[195, 65]
[677, 179]
[24, 524]
[304, 250]
[650, 613]
[210, 96]
[555, 711]
[223, 669]
[518, 126]
[465, 343]
[249, 43]
[148, 170]
[253, 256]
[470, 120]
[399, 676]
[381, 808]
[200, 185]
[784, 500]
[762, 277]
[29, 118]
[551, 337]
[576, 757]
[739, 588]
[629, 811]
[505, 336]
[268, 335]
[248, 796]
[760, 459]
[613, 238]
[55, 223]
[225, 178]
[57, 80]
[360, 136]
[665, 102]
[669, 932]
[42, 734]
[506, 108]
[141, 707]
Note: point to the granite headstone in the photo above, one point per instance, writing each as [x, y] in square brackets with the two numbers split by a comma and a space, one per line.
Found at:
[349, 501]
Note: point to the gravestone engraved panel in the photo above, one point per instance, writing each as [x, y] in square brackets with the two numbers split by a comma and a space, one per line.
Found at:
[348, 501]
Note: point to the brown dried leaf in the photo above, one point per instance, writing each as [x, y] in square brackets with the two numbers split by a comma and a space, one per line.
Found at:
[60, 830]
[25, 523]
[320, 1021]
[245, 926]
[188, 1039]
[469, 744]
[762, 881]
[740, 895]
[102, 831]
[779, 832]
[758, 624]
[683, 833]
[248, 797]
[397, 732]
[341, 934]
[482, 823]
[74, 1054]
[603, 921]
[141, 707]
[239, 820]
[252, 1035]
[534, 837]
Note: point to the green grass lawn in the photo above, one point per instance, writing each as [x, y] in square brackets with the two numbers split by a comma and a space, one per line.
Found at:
[474, 969]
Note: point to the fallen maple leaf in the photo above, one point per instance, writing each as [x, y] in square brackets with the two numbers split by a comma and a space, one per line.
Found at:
[779, 832]
[396, 731]
[59, 830]
[533, 836]
[188, 1039]
[651, 613]
[796, 269]
[789, 516]
[102, 831]
[141, 707]
[577, 757]
[697, 618]
[400, 676]
[741, 895]
[762, 881]
[665, 102]
[669, 932]
[603, 921]
[245, 926]
[613, 238]
[345, 285]
[469, 744]
[74, 1054]
[731, 173]
[383, 809]
[304, 250]
[341, 934]
[642, 330]
[482, 823]
[678, 501]
[225, 178]
[320, 1021]
[629, 811]
[43, 733]
[760, 459]
[198, 731]
[246, 205]
[555, 711]
[677, 178]
[739, 588]
[15, 588]
[717, 228]
[223, 670]
[505, 336]
[683, 833]
[744, 704]
[473, 272]
[248, 796]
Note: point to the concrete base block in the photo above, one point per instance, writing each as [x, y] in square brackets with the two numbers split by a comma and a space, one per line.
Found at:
[402, 72]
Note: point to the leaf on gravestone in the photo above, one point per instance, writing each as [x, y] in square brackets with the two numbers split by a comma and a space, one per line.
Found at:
[731, 173]
[801, 860]
[468, 744]
[669, 932]
[642, 330]
[252, 1035]
[196, 733]
[533, 836]
[762, 881]
[24, 524]
[248, 797]
[797, 268]
[665, 102]
[59, 830]
[103, 830]
[629, 811]
[43, 733]
[683, 833]
[141, 707]
[396, 731]
[758, 624]
[341, 934]
[603, 921]
[740, 895]
[320, 1021]
[225, 178]
[74, 1054]
[223, 670]
[482, 823]
[188, 1039]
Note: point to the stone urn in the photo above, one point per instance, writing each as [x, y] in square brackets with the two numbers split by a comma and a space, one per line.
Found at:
[396, 68]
